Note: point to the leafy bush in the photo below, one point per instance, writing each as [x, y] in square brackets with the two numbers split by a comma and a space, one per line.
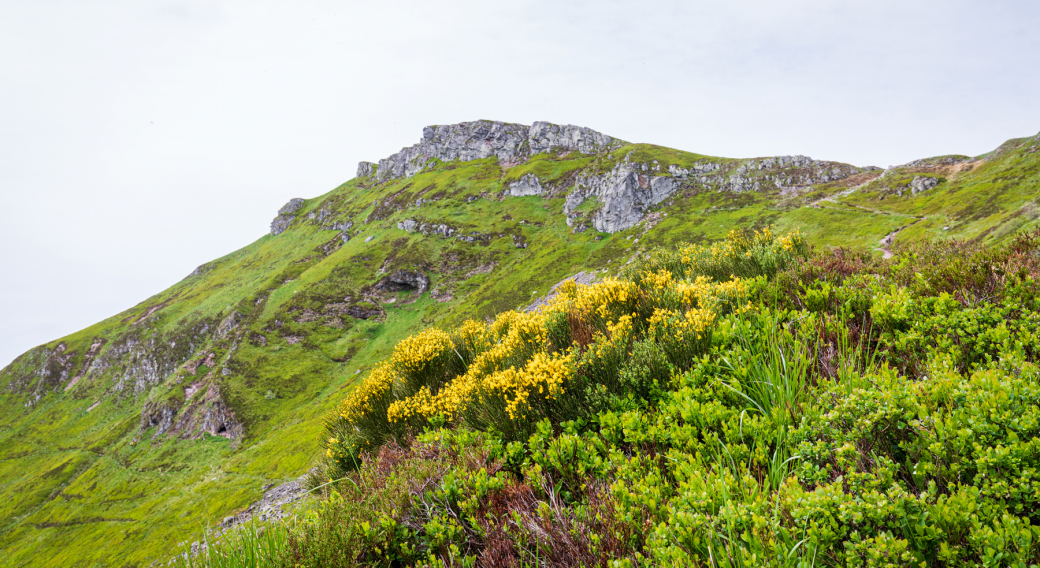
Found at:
[741, 404]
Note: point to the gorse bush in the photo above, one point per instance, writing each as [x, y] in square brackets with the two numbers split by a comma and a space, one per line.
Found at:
[747, 403]
[560, 363]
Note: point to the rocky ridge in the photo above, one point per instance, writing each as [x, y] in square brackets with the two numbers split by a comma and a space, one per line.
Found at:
[621, 195]
[482, 139]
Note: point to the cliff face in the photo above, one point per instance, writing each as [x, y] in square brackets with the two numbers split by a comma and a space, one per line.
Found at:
[482, 139]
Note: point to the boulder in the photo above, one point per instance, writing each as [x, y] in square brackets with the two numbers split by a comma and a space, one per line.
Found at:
[527, 185]
[922, 183]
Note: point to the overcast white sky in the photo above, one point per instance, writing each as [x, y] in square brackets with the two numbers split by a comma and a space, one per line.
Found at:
[140, 139]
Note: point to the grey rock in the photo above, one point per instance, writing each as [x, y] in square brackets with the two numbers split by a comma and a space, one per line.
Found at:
[527, 185]
[485, 138]
[276, 503]
[159, 414]
[365, 169]
[229, 323]
[408, 225]
[281, 223]
[294, 205]
[922, 183]
[624, 194]
[369, 238]
[545, 137]
[286, 215]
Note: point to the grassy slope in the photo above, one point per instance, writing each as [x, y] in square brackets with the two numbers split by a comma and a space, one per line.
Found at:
[72, 479]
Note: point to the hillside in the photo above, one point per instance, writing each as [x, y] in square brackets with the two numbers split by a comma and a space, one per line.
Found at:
[140, 430]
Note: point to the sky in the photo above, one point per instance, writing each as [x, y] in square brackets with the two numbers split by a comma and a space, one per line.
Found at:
[141, 139]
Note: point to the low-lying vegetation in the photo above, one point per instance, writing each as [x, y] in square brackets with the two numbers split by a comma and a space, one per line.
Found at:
[747, 403]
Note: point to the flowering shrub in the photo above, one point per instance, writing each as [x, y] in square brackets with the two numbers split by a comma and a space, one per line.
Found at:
[739, 404]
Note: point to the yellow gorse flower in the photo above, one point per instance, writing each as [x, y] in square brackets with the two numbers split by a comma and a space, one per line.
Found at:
[376, 386]
[414, 354]
[511, 362]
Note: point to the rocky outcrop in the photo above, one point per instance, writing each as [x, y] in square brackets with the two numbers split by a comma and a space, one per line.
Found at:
[204, 411]
[485, 138]
[527, 185]
[229, 323]
[624, 194]
[276, 503]
[365, 169]
[270, 505]
[922, 183]
[363, 312]
[40, 371]
[286, 215]
[294, 205]
[413, 226]
[404, 280]
[160, 415]
[88, 358]
[545, 137]
[280, 224]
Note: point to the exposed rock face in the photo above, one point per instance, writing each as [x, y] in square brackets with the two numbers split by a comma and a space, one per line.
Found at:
[922, 183]
[229, 323]
[41, 371]
[160, 414]
[200, 413]
[624, 193]
[286, 215]
[402, 280]
[413, 226]
[88, 358]
[280, 224]
[545, 137]
[270, 505]
[484, 138]
[527, 185]
[365, 169]
[294, 205]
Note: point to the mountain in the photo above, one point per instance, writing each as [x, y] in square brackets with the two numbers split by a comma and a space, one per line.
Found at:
[122, 441]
